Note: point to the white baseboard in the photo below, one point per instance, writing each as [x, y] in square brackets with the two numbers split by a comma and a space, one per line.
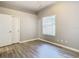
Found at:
[57, 44]
[60, 45]
[28, 40]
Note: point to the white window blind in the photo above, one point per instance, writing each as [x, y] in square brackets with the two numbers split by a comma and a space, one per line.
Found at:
[48, 25]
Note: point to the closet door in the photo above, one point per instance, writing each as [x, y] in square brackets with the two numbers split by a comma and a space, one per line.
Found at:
[6, 32]
[16, 29]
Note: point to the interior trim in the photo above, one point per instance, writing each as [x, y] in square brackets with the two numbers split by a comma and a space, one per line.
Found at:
[60, 45]
[56, 44]
[28, 40]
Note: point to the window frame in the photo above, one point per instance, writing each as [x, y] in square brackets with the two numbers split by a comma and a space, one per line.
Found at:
[52, 25]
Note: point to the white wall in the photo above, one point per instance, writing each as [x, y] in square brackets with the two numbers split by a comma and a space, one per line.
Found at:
[67, 23]
[28, 22]
[28, 27]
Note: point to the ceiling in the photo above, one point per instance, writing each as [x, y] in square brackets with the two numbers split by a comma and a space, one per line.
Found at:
[31, 6]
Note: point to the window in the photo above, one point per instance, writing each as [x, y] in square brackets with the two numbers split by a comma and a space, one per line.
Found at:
[48, 25]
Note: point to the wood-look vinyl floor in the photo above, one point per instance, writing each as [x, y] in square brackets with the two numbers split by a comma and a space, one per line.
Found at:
[35, 49]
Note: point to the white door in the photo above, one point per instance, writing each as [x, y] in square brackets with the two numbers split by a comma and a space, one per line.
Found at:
[16, 29]
[6, 30]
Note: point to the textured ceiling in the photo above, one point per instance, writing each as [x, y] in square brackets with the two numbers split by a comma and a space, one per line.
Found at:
[31, 6]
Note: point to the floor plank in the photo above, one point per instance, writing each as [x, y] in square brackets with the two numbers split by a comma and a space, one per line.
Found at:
[35, 49]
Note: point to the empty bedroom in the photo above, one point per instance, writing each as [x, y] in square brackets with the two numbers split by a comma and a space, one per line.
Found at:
[39, 29]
